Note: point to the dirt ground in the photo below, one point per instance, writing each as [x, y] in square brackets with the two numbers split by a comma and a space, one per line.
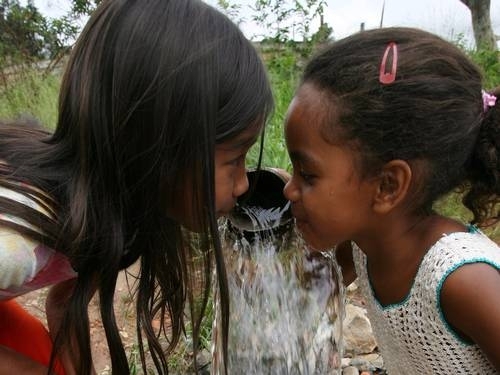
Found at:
[34, 302]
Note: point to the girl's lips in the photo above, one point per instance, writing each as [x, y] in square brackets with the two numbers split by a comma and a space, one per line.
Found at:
[225, 211]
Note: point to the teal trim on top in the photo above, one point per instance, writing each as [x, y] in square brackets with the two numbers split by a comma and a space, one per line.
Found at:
[471, 228]
[395, 304]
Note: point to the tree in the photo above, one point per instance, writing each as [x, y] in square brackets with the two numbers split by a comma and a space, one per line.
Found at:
[286, 20]
[26, 36]
[21, 30]
[481, 24]
[231, 10]
[83, 7]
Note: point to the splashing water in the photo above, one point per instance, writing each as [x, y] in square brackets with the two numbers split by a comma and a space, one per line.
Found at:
[256, 218]
[286, 303]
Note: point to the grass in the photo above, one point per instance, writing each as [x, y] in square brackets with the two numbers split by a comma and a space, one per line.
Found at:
[283, 74]
[30, 94]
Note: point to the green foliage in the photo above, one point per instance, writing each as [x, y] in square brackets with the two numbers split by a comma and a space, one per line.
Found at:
[284, 66]
[489, 61]
[27, 36]
[181, 362]
[306, 12]
[451, 206]
[322, 35]
[20, 31]
[32, 94]
[83, 7]
[286, 21]
[233, 11]
[31, 49]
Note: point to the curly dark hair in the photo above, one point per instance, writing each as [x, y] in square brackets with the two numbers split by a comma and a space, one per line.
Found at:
[432, 113]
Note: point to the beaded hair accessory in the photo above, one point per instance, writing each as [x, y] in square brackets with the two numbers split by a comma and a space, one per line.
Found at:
[489, 100]
[386, 77]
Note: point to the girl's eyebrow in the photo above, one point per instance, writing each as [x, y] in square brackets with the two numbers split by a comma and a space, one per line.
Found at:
[240, 142]
[302, 157]
[246, 141]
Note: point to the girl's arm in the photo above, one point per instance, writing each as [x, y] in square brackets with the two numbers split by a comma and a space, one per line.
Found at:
[470, 299]
[343, 253]
[55, 308]
[12, 362]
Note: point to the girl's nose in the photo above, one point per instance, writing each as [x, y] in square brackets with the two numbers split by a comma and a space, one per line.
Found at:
[290, 191]
[241, 184]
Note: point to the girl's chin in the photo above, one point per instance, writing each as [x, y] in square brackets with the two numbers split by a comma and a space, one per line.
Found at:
[311, 241]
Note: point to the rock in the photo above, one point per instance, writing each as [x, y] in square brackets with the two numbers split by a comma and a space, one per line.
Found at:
[374, 359]
[203, 359]
[350, 370]
[357, 330]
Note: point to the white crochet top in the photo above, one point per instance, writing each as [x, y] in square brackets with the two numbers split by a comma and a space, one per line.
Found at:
[412, 335]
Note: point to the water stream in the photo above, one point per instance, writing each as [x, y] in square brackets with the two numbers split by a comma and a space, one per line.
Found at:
[286, 302]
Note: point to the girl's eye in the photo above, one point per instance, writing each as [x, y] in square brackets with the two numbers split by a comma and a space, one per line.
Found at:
[308, 178]
[237, 160]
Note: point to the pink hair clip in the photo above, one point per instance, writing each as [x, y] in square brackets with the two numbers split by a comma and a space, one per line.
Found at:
[384, 76]
[489, 100]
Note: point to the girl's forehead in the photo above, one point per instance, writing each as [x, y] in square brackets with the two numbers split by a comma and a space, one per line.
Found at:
[309, 106]
[303, 123]
[245, 139]
[310, 92]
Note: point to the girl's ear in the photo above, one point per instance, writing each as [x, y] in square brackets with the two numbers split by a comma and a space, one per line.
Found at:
[393, 184]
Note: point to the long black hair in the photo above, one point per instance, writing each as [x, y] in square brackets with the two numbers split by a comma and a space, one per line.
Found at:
[150, 88]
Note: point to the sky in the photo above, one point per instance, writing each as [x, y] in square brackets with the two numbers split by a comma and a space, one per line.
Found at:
[448, 18]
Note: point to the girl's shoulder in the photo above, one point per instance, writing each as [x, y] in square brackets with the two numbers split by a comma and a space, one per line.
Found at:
[468, 291]
[25, 264]
[17, 259]
[453, 251]
[456, 249]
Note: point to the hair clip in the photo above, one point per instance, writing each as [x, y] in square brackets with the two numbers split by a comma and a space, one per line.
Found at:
[384, 76]
[489, 100]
